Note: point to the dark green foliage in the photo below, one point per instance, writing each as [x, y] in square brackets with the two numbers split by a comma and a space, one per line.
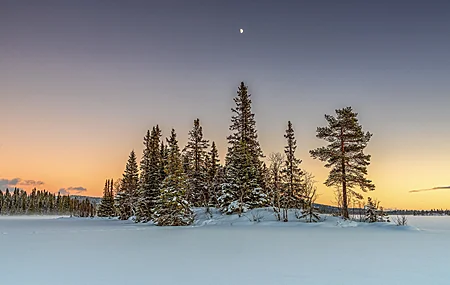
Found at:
[194, 164]
[242, 189]
[374, 212]
[292, 175]
[344, 153]
[106, 207]
[41, 202]
[151, 177]
[126, 198]
[214, 175]
[174, 208]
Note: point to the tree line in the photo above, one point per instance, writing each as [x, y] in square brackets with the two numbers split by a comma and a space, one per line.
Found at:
[169, 181]
[18, 202]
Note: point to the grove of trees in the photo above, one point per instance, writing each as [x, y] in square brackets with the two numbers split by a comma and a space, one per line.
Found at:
[170, 180]
[19, 202]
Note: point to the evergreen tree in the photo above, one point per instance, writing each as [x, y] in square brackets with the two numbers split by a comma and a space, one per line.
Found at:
[7, 202]
[174, 208]
[242, 189]
[374, 212]
[163, 162]
[195, 154]
[291, 174]
[150, 175]
[1, 202]
[345, 153]
[126, 197]
[106, 207]
[213, 177]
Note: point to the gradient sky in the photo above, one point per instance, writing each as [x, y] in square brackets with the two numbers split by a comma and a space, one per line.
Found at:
[81, 82]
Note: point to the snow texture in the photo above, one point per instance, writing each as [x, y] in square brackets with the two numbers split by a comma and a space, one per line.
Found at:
[219, 248]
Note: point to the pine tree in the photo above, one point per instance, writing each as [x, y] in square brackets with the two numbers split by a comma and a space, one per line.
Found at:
[126, 197]
[1, 202]
[106, 207]
[195, 154]
[292, 175]
[174, 208]
[150, 181]
[374, 212]
[214, 179]
[344, 153]
[163, 162]
[242, 189]
[7, 202]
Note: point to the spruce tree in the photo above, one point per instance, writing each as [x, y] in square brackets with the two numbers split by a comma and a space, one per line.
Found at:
[7, 202]
[344, 153]
[291, 174]
[242, 189]
[195, 154]
[174, 208]
[126, 198]
[1, 202]
[213, 177]
[163, 162]
[106, 207]
[150, 178]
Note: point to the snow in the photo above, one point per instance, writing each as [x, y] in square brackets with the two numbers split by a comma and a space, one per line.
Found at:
[223, 250]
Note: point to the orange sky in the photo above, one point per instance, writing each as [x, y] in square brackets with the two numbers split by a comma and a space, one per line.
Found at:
[88, 161]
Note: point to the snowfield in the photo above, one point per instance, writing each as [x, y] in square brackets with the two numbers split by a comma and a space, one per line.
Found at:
[223, 250]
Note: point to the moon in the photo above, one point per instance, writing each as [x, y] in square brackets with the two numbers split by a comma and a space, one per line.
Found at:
[241, 31]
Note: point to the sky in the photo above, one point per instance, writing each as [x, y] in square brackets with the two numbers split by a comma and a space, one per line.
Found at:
[82, 81]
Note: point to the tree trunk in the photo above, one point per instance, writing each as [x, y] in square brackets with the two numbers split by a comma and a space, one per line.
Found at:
[344, 180]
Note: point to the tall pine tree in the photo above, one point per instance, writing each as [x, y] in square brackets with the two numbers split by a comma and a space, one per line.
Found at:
[344, 153]
[150, 176]
[291, 174]
[126, 198]
[174, 208]
[195, 154]
[106, 207]
[213, 177]
[243, 160]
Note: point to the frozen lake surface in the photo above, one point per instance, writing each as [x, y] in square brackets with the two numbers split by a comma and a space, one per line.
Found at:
[223, 250]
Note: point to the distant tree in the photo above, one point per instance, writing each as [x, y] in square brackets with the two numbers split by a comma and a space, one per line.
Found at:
[195, 154]
[292, 175]
[243, 164]
[126, 197]
[1, 202]
[174, 208]
[7, 202]
[345, 153]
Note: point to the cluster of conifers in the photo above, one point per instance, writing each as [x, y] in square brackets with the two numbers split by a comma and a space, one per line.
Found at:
[169, 181]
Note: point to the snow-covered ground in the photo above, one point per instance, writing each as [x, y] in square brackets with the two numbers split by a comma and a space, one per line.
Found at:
[223, 250]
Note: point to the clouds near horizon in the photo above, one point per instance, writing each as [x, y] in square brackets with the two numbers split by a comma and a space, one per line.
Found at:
[72, 190]
[430, 189]
[16, 182]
